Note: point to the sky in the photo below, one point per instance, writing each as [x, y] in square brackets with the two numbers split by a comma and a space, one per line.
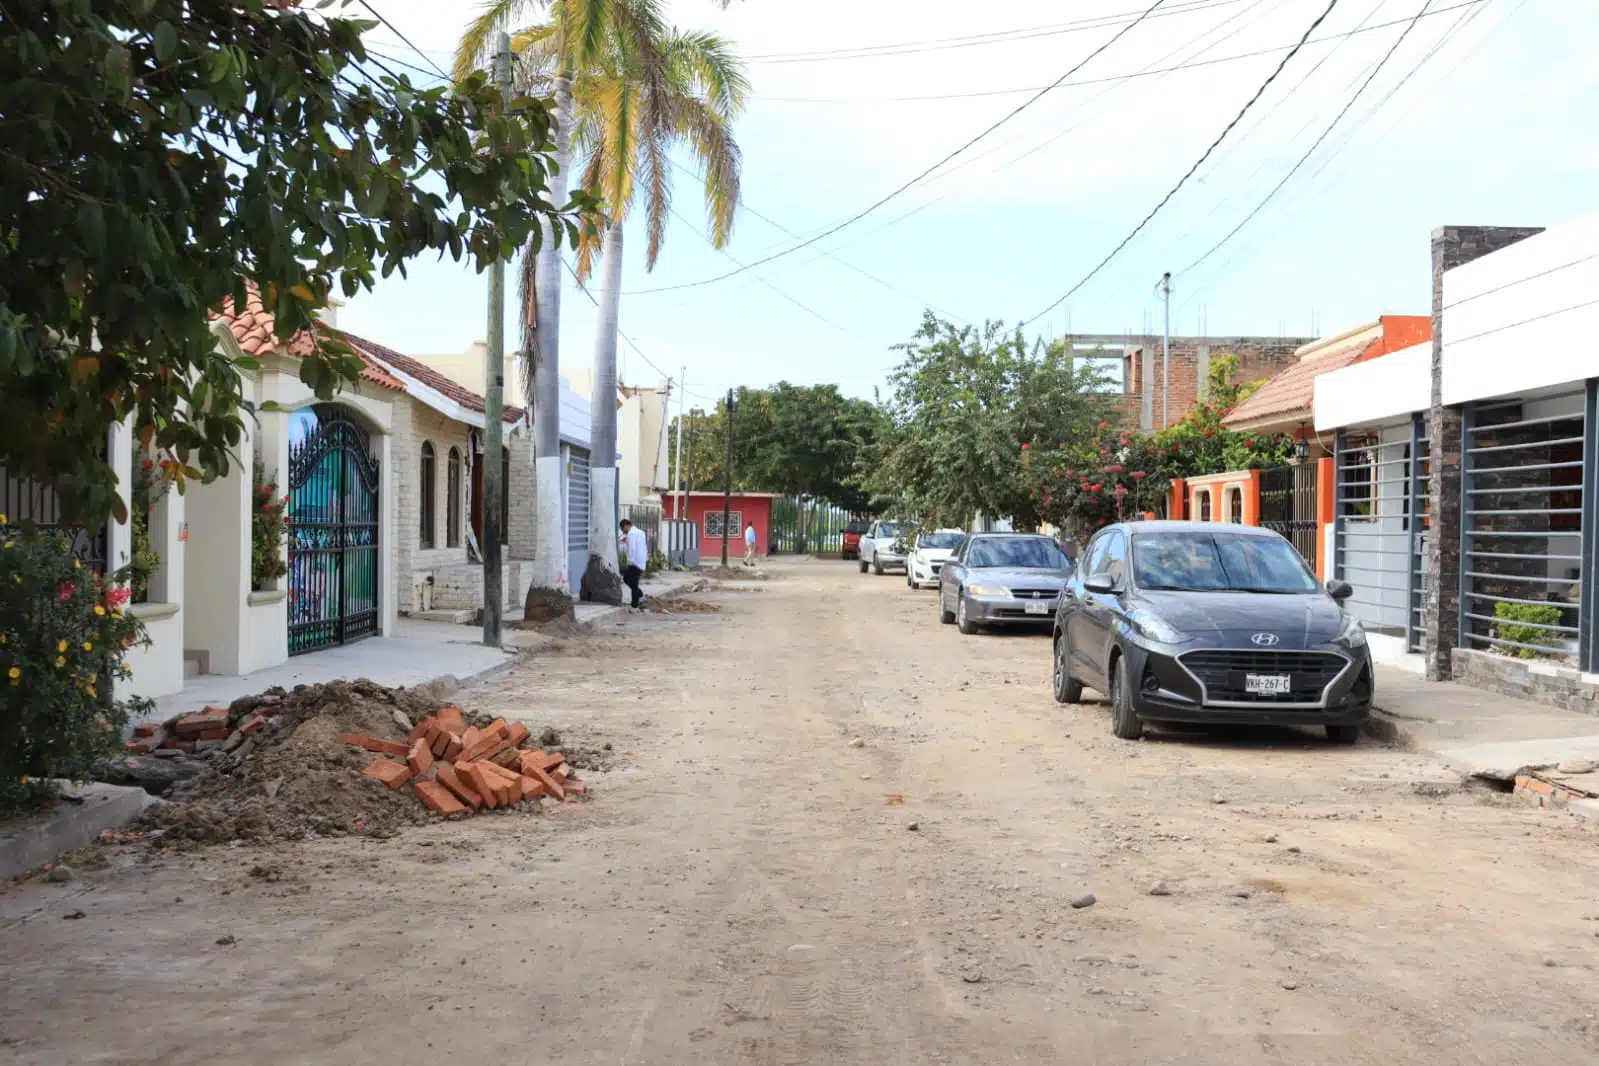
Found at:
[1481, 115]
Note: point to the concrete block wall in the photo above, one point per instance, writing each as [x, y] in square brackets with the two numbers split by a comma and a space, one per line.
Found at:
[1259, 358]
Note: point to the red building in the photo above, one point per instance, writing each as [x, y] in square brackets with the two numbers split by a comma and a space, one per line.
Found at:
[705, 510]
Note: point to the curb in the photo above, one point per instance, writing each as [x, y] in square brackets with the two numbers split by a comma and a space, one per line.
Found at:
[69, 825]
[1384, 727]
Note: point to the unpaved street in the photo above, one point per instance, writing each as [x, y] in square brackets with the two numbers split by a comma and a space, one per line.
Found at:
[746, 886]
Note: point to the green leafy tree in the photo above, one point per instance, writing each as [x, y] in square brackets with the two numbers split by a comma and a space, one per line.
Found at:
[154, 159]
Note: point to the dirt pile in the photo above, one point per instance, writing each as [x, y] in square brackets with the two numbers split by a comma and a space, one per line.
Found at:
[291, 776]
[679, 605]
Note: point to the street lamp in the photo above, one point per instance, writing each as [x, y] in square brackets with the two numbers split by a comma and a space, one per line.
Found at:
[1301, 450]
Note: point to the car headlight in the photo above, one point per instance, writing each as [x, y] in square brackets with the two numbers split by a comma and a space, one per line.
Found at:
[1351, 634]
[1156, 628]
[987, 590]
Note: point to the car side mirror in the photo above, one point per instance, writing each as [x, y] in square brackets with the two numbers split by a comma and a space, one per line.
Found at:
[1101, 584]
[1340, 590]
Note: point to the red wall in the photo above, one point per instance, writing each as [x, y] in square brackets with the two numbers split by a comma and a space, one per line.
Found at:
[757, 509]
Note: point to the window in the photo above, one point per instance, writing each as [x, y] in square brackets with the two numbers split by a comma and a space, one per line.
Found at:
[1203, 496]
[428, 491]
[1235, 507]
[1116, 558]
[1206, 562]
[452, 497]
[713, 523]
[936, 541]
[1096, 556]
[1023, 552]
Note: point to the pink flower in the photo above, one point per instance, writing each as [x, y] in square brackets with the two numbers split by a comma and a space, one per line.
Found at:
[118, 597]
[64, 593]
[1024, 447]
[1104, 425]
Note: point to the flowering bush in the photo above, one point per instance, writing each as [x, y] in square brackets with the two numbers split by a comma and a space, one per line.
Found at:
[150, 482]
[63, 635]
[269, 522]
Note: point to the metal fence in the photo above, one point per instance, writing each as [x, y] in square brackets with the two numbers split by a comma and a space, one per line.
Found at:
[1375, 537]
[1524, 527]
[31, 503]
[801, 526]
[1288, 506]
[647, 517]
[680, 542]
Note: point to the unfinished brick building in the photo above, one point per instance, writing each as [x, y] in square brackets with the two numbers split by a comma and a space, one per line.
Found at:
[1146, 402]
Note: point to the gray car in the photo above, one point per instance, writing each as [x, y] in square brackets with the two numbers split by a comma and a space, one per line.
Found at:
[1002, 579]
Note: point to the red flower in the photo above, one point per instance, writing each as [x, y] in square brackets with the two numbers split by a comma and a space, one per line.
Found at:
[1062, 444]
[1101, 521]
[1210, 432]
[1249, 444]
[1124, 444]
[1102, 451]
[64, 593]
[1024, 447]
[1097, 486]
[1138, 475]
[118, 596]
[1104, 425]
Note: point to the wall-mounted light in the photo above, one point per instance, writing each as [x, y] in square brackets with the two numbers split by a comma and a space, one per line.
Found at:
[1301, 450]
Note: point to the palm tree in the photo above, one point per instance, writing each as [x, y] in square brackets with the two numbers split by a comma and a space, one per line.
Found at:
[627, 90]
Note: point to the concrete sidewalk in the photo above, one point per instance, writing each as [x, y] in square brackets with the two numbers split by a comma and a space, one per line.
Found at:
[1477, 732]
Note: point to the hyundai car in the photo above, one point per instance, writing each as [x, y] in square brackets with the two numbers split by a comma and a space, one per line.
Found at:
[1210, 623]
[1002, 579]
[929, 552]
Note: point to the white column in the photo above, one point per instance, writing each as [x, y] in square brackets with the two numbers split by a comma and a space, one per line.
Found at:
[388, 489]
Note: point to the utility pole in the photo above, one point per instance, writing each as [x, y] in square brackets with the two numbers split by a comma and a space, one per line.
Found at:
[682, 415]
[494, 487]
[727, 486]
[1165, 354]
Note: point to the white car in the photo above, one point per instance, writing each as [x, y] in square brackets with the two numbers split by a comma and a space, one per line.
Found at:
[931, 550]
[880, 548]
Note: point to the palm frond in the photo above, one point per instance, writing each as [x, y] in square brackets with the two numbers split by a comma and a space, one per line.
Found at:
[721, 163]
[528, 294]
[493, 17]
[658, 182]
[704, 64]
[589, 238]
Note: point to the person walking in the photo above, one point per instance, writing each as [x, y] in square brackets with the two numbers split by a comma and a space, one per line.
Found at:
[636, 548]
[749, 544]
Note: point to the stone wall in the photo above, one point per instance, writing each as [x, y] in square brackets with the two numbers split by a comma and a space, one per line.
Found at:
[1529, 679]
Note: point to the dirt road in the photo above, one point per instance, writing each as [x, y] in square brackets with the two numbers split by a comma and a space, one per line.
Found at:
[745, 885]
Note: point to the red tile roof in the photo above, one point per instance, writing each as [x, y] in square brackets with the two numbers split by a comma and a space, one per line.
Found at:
[420, 371]
[1293, 392]
[255, 330]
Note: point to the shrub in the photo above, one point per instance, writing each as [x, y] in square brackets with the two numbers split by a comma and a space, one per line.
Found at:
[269, 522]
[63, 635]
[1542, 614]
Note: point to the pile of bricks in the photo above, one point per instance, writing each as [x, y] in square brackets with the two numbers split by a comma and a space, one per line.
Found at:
[455, 768]
[197, 733]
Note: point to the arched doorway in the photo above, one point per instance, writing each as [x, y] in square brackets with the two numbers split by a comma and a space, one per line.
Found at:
[333, 531]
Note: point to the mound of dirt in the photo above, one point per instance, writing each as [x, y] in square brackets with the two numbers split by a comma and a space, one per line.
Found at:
[294, 778]
[679, 605]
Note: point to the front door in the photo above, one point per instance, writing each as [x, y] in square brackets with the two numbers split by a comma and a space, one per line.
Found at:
[333, 531]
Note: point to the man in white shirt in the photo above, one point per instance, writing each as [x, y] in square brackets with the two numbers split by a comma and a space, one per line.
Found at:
[749, 544]
[636, 549]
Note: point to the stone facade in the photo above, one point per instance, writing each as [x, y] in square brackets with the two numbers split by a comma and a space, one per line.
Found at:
[1452, 246]
[1529, 679]
[1259, 359]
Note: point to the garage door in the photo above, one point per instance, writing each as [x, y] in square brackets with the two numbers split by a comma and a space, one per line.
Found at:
[577, 514]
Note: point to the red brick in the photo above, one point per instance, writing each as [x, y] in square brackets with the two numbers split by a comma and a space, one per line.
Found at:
[424, 728]
[551, 785]
[211, 718]
[574, 787]
[551, 760]
[145, 730]
[507, 760]
[507, 789]
[454, 782]
[138, 747]
[487, 747]
[220, 733]
[452, 718]
[472, 773]
[437, 797]
[517, 734]
[253, 724]
[470, 736]
[420, 760]
[185, 746]
[382, 747]
[499, 727]
[453, 751]
[439, 744]
[388, 771]
[531, 788]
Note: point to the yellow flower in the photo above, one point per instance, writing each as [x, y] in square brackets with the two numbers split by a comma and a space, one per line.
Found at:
[90, 689]
[9, 543]
[4, 639]
[16, 672]
[76, 565]
[99, 610]
[2, 519]
[87, 646]
[61, 646]
[61, 660]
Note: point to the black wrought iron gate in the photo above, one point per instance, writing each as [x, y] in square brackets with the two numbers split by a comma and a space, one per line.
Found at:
[1288, 506]
[333, 535]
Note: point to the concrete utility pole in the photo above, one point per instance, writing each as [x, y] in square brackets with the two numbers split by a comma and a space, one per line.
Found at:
[1165, 354]
[727, 486]
[682, 416]
[494, 487]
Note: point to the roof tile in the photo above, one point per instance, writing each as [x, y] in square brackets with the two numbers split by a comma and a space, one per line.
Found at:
[255, 330]
[419, 370]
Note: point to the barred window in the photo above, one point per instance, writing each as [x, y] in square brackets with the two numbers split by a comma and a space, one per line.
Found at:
[713, 523]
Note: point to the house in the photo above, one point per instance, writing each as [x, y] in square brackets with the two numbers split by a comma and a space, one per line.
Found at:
[1136, 365]
[705, 510]
[1494, 531]
[643, 447]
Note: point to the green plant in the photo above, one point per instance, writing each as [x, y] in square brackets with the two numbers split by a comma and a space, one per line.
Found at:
[149, 485]
[63, 636]
[657, 563]
[1538, 615]
[269, 524]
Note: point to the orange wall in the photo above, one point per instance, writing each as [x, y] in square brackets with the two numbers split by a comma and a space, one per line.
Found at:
[1399, 331]
[1326, 512]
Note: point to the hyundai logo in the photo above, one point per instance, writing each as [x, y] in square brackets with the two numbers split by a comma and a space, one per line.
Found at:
[1265, 640]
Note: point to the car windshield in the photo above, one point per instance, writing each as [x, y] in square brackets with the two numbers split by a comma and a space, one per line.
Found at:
[1210, 562]
[887, 529]
[855, 527]
[1029, 552]
[938, 540]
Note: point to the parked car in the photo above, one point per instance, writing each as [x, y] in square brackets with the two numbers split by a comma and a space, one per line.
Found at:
[1002, 579]
[852, 539]
[928, 554]
[882, 547]
[1207, 623]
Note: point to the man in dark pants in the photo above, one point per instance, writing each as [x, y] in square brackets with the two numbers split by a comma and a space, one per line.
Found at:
[636, 549]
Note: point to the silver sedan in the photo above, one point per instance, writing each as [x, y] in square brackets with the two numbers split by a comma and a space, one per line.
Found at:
[1002, 579]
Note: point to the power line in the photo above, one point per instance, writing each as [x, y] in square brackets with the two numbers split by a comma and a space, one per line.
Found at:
[1146, 73]
[636, 349]
[1325, 133]
[1523, 322]
[1190, 173]
[1521, 280]
[408, 43]
[873, 207]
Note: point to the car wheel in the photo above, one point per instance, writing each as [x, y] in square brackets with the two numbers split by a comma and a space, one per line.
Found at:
[1343, 734]
[908, 582]
[877, 567]
[1066, 690]
[966, 625]
[944, 617]
[1124, 721]
[863, 565]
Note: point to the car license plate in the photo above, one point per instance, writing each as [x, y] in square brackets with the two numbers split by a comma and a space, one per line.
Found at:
[1038, 608]
[1266, 684]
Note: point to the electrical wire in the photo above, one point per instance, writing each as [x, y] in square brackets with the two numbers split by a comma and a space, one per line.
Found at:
[879, 203]
[408, 43]
[1190, 173]
[630, 343]
[1325, 133]
[1452, 341]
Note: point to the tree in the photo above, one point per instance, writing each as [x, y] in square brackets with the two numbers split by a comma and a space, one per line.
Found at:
[631, 106]
[582, 31]
[154, 162]
[967, 402]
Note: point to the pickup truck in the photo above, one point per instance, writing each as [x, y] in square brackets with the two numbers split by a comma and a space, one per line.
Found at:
[882, 547]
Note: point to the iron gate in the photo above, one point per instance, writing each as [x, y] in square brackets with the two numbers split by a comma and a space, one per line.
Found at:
[333, 532]
[1375, 540]
[29, 502]
[1288, 506]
